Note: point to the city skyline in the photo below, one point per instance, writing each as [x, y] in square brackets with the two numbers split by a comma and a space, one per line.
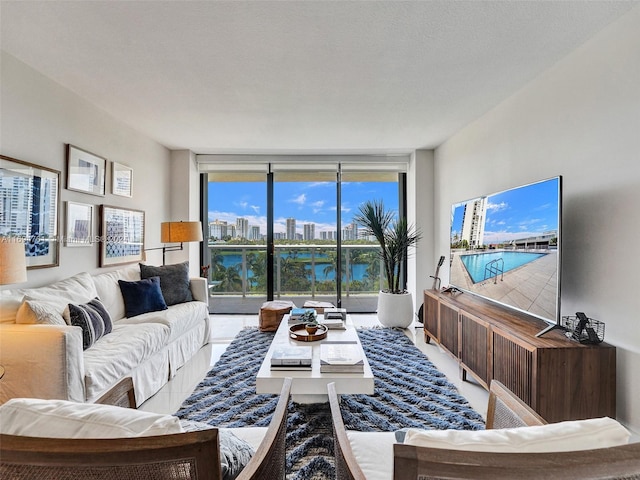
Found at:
[524, 212]
[306, 202]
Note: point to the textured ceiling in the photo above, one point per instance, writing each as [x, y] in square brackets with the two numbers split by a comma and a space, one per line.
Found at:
[298, 76]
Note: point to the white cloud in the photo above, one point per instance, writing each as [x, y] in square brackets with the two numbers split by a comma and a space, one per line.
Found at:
[300, 199]
[497, 207]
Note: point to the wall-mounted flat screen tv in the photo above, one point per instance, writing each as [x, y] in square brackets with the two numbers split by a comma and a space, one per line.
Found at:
[506, 247]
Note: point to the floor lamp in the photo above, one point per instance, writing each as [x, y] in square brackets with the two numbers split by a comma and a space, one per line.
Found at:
[178, 232]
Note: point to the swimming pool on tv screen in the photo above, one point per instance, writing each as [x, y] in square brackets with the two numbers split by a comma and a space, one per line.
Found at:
[476, 264]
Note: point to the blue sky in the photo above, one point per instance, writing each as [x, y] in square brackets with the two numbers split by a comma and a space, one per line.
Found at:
[518, 213]
[307, 202]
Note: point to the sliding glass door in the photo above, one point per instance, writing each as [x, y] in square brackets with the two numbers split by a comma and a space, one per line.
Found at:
[237, 241]
[284, 230]
[305, 232]
[361, 267]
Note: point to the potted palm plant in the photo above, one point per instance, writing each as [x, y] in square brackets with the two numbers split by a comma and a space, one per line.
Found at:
[395, 237]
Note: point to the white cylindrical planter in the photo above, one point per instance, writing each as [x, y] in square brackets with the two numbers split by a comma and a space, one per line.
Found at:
[395, 309]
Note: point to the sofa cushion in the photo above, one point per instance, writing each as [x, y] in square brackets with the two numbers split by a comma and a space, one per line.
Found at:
[179, 318]
[554, 437]
[142, 296]
[374, 453]
[118, 354]
[174, 281]
[92, 318]
[78, 288]
[64, 419]
[39, 312]
[108, 289]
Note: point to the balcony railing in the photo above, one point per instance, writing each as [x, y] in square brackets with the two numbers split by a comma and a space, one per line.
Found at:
[241, 270]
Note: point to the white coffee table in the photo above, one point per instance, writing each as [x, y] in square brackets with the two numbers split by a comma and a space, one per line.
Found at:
[310, 386]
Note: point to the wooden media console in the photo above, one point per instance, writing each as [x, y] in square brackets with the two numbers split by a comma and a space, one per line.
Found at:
[559, 378]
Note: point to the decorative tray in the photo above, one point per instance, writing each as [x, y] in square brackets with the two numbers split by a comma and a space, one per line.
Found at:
[298, 332]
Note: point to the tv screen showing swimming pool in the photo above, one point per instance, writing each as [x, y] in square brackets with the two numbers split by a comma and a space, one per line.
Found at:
[506, 247]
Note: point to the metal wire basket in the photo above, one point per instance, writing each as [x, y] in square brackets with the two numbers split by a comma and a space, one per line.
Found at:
[593, 331]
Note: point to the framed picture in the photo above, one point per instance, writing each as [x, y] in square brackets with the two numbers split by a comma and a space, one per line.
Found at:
[29, 199]
[85, 171]
[121, 235]
[79, 226]
[121, 180]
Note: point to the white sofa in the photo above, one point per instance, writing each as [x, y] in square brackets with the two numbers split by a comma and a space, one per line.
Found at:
[47, 361]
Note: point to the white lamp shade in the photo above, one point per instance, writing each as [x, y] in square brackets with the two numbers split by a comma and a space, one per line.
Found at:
[179, 232]
[13, 265]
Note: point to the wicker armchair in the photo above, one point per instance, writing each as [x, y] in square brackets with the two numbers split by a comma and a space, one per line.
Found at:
[347, 467]
[269, 461]
[122, 394]
[178, 456]
[505, 410]
[193, 455]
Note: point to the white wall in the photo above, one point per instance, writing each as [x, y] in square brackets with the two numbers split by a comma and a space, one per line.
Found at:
[185, 204]
[39, 117]
[581, 120]
[420, 198]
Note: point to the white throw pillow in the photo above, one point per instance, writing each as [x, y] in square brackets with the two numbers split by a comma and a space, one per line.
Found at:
[64, 419]
[554, 437]
[40, 312]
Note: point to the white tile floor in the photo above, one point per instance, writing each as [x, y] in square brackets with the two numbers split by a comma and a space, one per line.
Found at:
[225, 327]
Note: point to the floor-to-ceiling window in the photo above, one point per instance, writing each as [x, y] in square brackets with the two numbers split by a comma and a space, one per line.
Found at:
[305, 231]
[282, 228]
[360, 262]
[236, 250]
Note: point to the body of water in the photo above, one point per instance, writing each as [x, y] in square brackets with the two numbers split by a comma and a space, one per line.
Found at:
[476, 263]
[358, 269]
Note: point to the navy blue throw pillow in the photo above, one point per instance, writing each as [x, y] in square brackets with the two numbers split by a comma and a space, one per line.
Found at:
[142, 296]
[93, 318]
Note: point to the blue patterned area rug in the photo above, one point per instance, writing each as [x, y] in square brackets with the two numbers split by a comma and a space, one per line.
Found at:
[409, 392]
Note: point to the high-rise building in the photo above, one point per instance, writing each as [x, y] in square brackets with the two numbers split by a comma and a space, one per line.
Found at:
[350, 232]
[242, 227]
[218, 229]
[291, 228]
[14, 206]
[473, 220]
[328, 235]
[254, 232]
[309, 231]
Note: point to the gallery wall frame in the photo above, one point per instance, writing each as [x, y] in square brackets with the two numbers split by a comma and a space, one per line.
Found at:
[78, 225]
[121, 235]
[121, 180]
[86, 171]
[29, 209]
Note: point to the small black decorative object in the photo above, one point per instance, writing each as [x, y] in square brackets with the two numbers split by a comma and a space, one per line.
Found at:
[584, 329]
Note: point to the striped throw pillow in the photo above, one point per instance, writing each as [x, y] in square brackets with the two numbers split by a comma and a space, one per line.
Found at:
[93, 318]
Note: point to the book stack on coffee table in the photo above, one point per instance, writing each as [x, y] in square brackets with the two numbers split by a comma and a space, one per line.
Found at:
[334, 318]
[291, 358]
[341, 357]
